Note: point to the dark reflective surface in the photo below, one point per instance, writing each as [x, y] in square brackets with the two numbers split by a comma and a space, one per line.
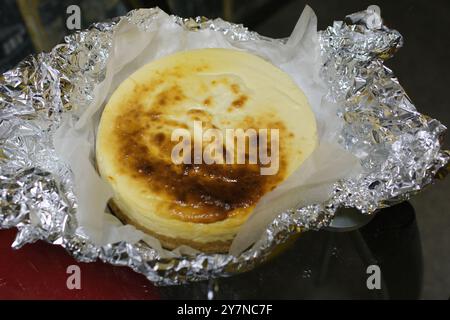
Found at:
[331, 265]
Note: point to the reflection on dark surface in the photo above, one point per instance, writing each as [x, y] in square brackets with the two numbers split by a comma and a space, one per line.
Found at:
[320, 265]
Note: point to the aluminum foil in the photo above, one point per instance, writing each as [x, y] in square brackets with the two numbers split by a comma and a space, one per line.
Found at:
[399, 148]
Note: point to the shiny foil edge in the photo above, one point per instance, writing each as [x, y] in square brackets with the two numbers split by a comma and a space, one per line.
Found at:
[399, 148]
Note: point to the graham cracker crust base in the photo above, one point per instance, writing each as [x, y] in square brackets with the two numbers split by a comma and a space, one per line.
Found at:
[169, 242]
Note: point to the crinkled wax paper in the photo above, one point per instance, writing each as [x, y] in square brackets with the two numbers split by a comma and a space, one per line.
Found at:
[50, 104]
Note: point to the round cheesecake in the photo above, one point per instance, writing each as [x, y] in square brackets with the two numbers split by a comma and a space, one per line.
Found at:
[199, 203]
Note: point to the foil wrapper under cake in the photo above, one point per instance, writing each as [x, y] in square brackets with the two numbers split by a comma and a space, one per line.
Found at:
[399, 148]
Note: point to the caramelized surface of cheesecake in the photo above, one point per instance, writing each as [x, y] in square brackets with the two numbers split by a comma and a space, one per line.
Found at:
[198, 204]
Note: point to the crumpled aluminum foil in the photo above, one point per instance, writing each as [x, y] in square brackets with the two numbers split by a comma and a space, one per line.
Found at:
[399, 148]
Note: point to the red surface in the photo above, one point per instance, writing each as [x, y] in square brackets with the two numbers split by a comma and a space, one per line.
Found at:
[38, 271]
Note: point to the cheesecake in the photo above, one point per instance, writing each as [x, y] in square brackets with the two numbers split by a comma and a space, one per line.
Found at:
[165, 144]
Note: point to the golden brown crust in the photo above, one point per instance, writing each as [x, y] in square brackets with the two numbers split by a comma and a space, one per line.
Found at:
[169, 242]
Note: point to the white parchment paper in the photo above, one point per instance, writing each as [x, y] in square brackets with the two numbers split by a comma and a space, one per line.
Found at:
[134, 47]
